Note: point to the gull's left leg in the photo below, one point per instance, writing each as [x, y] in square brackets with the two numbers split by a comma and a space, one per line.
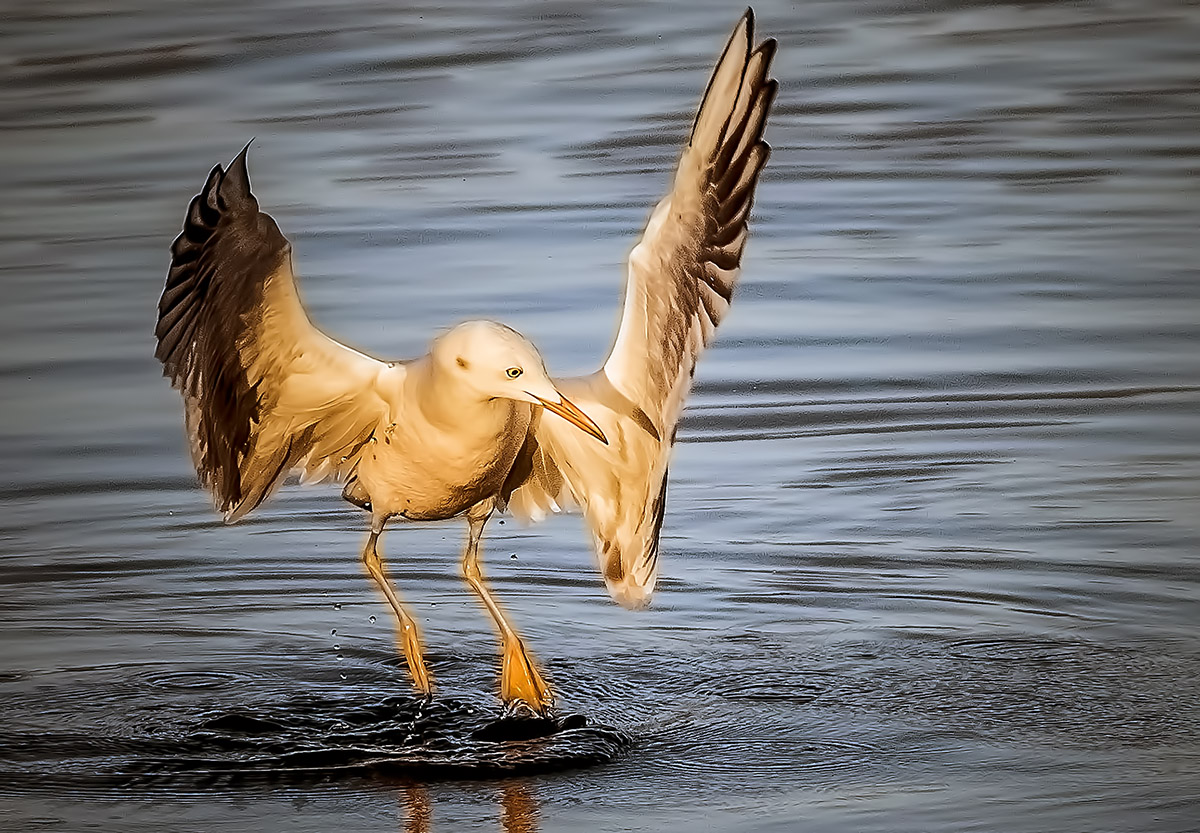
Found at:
[407, 634]
[519, 677]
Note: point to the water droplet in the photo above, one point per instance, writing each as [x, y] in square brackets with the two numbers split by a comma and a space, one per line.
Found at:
[343, 676]
[337, 605]
[372, 619]
[339, 656]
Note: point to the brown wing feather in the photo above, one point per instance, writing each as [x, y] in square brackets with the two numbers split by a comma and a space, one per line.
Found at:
[264, 390]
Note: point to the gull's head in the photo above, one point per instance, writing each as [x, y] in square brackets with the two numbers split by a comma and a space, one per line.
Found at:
[500, 363]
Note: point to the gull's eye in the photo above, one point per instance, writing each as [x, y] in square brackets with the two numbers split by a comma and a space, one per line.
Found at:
[513, 372]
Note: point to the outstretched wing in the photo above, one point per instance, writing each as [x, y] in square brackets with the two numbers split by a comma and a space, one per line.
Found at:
[264, 391]
[682, 273]
[680, 282]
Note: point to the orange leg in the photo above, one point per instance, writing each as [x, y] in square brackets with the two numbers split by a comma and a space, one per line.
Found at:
[407, 635]
[520, 679]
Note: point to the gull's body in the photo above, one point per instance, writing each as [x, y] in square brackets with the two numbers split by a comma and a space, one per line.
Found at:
[476, 425]
[442, 448]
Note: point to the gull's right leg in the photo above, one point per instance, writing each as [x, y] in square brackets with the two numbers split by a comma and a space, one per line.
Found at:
[407, 635]
[520, 679]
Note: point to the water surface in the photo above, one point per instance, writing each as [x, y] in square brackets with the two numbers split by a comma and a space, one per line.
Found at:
[930, 557]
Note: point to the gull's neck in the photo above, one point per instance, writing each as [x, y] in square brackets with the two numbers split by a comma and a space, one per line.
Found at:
[447, 403]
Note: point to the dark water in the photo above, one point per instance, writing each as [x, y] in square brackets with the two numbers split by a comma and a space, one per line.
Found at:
[933, 538]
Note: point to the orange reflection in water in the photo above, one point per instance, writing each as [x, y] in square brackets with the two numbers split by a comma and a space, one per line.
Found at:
[518, 809]
[418, 809]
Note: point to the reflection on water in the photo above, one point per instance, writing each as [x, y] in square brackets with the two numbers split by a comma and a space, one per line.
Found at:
[930, 550]
[518, 808]
[418, 810]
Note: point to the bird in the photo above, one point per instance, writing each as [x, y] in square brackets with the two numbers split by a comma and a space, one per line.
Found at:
[476, 425]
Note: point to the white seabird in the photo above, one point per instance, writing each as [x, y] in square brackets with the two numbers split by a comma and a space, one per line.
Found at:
[476, 425]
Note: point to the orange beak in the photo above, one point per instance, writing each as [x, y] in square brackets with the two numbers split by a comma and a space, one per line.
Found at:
[567, 410]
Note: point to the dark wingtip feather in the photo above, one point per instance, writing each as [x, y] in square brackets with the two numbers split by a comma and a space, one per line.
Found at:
[748, 19]
[237, 180]
[767, 49]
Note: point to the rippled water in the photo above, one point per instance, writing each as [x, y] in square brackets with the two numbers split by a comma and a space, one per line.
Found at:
[931, 550]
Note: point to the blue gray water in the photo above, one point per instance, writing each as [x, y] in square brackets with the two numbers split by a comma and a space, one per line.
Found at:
[932, 548]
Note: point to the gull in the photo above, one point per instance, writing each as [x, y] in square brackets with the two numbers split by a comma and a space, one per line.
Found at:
[477, 425]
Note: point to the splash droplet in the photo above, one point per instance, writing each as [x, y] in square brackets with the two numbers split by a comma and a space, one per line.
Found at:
[333, 632]
[372, 619]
